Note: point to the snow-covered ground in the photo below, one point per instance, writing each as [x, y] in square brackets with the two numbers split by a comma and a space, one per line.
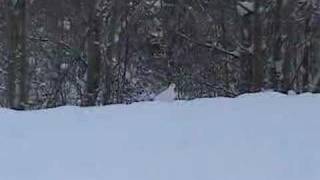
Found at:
[264, 136]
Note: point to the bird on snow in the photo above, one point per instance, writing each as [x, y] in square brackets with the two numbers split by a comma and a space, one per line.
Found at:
[168, 95]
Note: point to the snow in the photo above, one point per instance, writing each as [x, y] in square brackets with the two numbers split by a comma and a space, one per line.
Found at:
[264, 136]
[168, 95]
[245, 7]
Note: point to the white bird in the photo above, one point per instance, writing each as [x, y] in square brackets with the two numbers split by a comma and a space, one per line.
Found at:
[168, 95]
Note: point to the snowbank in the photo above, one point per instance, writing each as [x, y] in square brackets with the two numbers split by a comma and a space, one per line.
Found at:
[253, 137]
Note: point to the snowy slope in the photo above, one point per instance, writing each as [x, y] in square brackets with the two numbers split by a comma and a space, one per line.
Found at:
[253, 137]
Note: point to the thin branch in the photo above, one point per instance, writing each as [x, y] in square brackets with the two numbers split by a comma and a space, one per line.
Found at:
[210, 46]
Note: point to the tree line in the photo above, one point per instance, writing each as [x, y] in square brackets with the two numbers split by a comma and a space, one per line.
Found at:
[98, 52]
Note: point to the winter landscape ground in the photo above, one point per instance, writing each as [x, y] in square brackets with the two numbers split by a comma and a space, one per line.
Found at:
[265, 136]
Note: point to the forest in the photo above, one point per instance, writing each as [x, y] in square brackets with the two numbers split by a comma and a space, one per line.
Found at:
[99, 52]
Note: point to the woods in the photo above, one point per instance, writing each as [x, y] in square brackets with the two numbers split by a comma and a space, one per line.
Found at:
[85, 52]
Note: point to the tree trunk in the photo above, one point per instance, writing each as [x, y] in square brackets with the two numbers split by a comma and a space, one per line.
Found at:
[306, 57]
[277, 67]
[17, 95]
[94, 60]
[257, 63]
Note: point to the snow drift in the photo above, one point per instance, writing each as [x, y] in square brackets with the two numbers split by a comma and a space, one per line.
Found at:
[253, 137]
